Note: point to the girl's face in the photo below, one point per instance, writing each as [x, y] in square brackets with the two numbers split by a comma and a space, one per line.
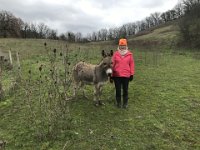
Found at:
[123, 47]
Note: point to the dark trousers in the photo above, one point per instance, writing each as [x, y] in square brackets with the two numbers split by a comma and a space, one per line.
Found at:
[121, 83]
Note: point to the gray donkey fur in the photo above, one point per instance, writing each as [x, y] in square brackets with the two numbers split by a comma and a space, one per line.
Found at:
[85, 73]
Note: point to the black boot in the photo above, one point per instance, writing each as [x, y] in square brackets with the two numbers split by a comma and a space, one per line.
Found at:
[125, 102]
[118, 100]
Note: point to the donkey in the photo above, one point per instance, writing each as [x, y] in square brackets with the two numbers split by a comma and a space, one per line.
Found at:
[97, 75]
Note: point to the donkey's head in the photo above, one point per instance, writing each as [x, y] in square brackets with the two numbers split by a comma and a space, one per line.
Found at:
[106, 63]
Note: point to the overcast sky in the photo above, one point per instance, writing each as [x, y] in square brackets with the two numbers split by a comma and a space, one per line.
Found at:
[84, 16]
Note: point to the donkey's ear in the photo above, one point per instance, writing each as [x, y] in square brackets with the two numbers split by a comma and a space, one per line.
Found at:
[111, 52]
[103, 53]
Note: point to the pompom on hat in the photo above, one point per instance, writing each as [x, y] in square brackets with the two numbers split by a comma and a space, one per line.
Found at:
[123, 42]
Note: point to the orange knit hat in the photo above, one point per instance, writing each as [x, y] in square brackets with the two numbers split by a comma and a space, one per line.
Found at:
[123, 42]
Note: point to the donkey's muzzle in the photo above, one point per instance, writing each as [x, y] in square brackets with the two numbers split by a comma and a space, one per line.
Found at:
[109, 71]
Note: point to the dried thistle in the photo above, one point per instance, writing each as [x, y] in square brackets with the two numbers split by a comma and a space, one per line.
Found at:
[40, 68]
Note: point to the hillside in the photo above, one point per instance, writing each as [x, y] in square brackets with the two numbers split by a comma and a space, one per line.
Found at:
[163, 33]
[162, 36]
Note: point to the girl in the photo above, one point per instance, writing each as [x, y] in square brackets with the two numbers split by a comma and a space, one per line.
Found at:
[123, 71]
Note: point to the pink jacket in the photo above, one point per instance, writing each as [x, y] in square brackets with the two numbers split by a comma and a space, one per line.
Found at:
[123, 66]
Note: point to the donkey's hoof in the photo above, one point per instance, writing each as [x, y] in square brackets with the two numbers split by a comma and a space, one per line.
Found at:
[96, 104]
[86, 98]
[101, 103]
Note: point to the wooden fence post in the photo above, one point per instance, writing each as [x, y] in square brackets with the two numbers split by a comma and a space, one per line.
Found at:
[18, 62]
[10, 57]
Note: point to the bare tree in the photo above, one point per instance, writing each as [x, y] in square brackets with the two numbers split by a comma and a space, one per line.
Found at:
[189, 24]
[10, 26]
[149, 22]
[110, 34]
[24, 30]
[52, 34]
[94, 36]
[156, 18]
[63, 37]
[99, 36]
[33, 33]
[164, 17]
[43, 30]
[179, 10]
[89, 37]
[122, 32]
[78, 37]
[70, 36]
[104, 33]
[189, 5]
[130, 27]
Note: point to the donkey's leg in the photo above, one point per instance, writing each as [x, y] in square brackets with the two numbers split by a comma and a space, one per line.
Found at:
[100, 93]
[83, 90]
[97, 93]
[76, 86]
[96, 98]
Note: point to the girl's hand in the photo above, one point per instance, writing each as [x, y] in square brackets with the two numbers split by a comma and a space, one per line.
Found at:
[111, 79]
[131, 78]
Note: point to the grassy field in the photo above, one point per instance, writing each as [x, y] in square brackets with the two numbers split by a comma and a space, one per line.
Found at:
[163, 112]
